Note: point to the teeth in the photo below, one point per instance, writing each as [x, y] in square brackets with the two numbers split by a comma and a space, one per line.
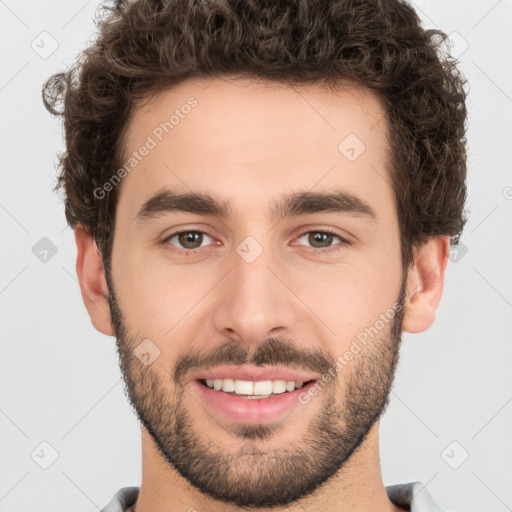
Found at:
[290, 385]
[258, 389]
[243, 387]
[263, 387]
[279, 386]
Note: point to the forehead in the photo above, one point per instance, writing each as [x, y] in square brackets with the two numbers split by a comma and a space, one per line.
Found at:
[247, 139]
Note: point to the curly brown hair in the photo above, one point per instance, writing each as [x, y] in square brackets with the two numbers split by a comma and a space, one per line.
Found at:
[146, 46]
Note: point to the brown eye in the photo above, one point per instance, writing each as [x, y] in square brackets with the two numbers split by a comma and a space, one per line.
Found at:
[189, 240]
[324, 241]
[320, 239]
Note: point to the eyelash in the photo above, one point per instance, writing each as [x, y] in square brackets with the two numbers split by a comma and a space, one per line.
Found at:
[334, 248]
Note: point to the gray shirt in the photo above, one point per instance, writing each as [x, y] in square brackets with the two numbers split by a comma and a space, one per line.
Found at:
[413, 496]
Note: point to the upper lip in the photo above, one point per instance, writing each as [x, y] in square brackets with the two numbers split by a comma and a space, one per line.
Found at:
[255, 373]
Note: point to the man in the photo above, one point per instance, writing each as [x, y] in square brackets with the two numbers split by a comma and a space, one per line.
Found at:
[263, 195]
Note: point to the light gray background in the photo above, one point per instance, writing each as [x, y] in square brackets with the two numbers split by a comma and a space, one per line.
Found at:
[60, 381]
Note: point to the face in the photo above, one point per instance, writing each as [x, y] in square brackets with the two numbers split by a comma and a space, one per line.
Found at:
[281, 263]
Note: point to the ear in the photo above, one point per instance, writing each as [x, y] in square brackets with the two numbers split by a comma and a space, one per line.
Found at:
[425, 282]
[91, 276]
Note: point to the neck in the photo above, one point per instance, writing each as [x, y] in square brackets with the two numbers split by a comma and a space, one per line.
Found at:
[357, 487]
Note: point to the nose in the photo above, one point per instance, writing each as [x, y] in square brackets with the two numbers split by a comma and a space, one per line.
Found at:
[254, 300]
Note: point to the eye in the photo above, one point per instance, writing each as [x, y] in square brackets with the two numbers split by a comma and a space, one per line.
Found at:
[188, 240]
[322, 240]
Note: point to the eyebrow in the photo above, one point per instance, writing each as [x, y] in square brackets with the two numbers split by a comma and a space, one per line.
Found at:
[166, 201]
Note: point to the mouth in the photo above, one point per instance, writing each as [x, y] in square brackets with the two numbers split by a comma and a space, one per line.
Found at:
[251, 402]
[253, 390]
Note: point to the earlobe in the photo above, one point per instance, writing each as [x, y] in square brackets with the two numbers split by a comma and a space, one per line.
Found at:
[91, 276]
[425, 284]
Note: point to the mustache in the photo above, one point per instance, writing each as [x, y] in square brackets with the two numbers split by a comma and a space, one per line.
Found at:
[272, 352]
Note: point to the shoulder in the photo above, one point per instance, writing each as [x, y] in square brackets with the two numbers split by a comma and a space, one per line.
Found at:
[413, 496]
[122, 500]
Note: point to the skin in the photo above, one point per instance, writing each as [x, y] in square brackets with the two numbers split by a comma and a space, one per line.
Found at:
[250, 143]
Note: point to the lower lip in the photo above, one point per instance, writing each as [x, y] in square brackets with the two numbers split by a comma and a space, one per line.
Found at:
[250, 410]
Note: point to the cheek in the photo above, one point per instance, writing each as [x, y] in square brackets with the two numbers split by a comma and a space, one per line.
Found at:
[158, 299]
[343, 299]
